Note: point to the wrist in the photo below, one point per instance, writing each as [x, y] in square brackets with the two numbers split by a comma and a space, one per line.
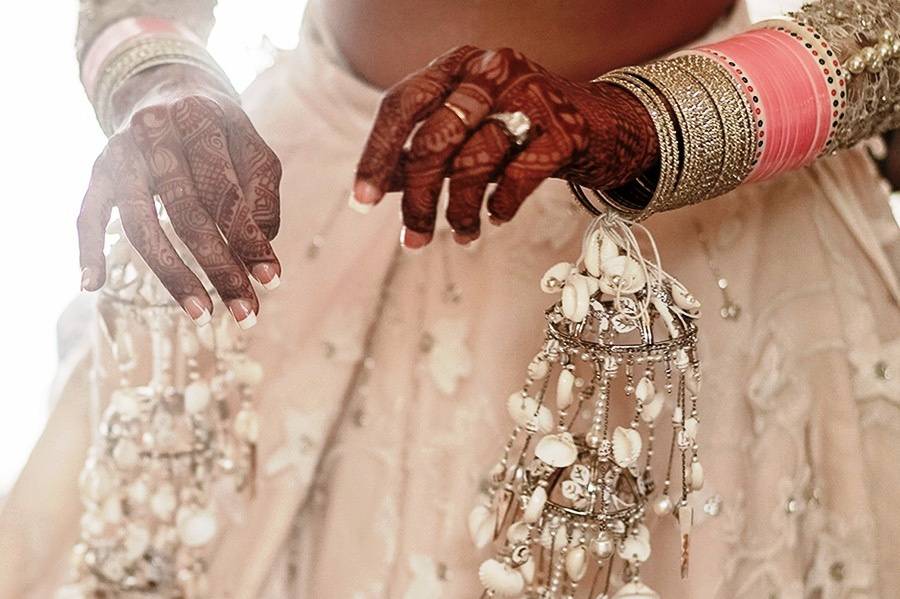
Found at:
[635, 140]
[161, 84]
[114, 38]
[134, 46]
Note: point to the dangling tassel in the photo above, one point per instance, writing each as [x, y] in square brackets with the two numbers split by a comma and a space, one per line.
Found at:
[571, 490]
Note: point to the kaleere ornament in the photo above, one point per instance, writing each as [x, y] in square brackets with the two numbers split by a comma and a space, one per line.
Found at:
[180, 422]
[569, 497]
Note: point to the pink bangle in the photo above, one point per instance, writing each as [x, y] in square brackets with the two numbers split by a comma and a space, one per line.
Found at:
[795, 87]
[120, 32]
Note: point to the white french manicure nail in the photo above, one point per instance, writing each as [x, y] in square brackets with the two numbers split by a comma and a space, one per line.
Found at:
[273, 283]
[248, 322]
[197, 311]
[243, 313]
[267, 276]
[358, 206]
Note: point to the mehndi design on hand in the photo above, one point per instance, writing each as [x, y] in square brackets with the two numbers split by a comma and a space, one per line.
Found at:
[218, 182]
[595, 134]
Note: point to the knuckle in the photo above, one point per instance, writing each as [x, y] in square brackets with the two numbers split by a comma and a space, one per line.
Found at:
[190, 104]
[391, 101]
[146, 117]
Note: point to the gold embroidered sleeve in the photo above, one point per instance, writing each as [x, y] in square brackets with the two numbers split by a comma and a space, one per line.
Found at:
[96, 15]
[866, 36]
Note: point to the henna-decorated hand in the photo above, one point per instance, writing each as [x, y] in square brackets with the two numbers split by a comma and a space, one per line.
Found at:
[182, 137]
[596, 134]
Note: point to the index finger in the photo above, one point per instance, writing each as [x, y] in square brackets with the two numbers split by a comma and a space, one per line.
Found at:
[403, 106]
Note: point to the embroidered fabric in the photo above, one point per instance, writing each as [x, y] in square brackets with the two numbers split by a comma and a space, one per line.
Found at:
[95, 15]
[865, 30]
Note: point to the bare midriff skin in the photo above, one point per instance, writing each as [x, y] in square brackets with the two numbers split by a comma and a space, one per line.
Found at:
[385, 40]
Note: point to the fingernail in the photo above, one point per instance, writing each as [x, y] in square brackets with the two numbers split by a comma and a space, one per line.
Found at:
[466, 238]
[197, 311]
[358, 206]
[366, 193]
[243, 313]
[496, 221]
[413, 240]
[87, 277]
[267, 275]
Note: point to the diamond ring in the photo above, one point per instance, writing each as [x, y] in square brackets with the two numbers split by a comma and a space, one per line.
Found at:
[516, 124]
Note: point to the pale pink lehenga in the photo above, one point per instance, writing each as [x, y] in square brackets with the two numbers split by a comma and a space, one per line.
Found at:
[387, 373]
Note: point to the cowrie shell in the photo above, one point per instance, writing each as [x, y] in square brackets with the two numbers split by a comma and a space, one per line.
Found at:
[500, 578]
[576, 563]
[626, 446]
[526, 413]
[555, 277]
[652, 409]
[645, 389]
[558, 451]
[482, 524]
[622, 274]
[636, 590]
[564, 386]
[535, 505]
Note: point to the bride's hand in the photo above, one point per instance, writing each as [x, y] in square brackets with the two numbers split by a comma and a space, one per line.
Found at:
[184, 138]
[596, 134]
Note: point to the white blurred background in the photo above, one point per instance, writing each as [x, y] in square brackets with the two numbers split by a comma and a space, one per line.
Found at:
[48, 141]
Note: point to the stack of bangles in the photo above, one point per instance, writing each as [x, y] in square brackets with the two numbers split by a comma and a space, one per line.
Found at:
[133, 45]
[751, 107]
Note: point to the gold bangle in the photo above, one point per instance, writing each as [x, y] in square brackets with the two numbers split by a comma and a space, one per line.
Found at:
[734, 114]
[700, 128]
[637, 198]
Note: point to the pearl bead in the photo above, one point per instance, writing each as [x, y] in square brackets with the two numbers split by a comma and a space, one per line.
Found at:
[196, 397]
[887, 36]
[895, 47]
[663, 505]
[885, 51]
[602, 547]
[869, 55]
